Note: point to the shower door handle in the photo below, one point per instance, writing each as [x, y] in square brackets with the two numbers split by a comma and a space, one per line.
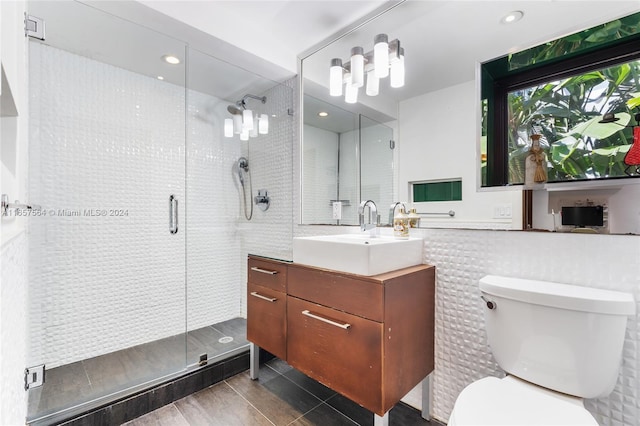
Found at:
[173, 214]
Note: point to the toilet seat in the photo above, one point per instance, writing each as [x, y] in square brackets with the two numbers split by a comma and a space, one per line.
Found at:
[512, 401]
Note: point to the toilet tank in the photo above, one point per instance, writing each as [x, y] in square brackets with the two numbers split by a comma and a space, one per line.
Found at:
[563, 337]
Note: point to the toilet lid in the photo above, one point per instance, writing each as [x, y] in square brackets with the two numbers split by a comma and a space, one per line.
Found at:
[511, 401]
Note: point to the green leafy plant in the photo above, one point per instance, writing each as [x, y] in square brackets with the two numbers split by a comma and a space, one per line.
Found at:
[567, 113]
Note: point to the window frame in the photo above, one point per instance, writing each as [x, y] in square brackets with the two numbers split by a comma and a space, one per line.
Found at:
[497, 82]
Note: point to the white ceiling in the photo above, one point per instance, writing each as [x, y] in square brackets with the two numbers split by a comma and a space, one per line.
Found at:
[275, 30]
[444, 39]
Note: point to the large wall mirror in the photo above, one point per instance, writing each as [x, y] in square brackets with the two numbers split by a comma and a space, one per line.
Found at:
[435, 118]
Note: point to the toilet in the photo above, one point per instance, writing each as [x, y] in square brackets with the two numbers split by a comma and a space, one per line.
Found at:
[558, 344]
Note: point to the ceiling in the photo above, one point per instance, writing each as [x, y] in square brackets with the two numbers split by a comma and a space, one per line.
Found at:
[245, 41]
[444, 40]
[274, 30]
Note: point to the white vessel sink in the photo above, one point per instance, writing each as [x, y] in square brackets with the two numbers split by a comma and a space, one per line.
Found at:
[357, 254]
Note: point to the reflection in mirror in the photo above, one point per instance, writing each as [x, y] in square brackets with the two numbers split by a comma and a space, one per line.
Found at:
[376, 159]
[330, 140]
[441, 100]
[347, 158]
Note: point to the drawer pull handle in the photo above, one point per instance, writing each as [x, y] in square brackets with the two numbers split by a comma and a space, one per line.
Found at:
[264, 271]
[328, 321]
[259, 296]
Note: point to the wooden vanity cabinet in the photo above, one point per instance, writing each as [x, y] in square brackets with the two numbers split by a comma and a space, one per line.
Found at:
[267, 305]
[369, 338]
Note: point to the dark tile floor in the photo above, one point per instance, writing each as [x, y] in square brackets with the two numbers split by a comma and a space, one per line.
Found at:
[91, 379]
[282, 396]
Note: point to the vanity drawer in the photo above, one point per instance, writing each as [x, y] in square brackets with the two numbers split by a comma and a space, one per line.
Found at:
[267, 319]
[349, 293]
[267, 273]
[346, 359]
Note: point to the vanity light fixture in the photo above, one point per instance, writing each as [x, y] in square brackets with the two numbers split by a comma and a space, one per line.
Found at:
[397, 70]
[335, 77]
[366, 69]
[357, 67]
[350, 91]
[381, 55]
[171, 59]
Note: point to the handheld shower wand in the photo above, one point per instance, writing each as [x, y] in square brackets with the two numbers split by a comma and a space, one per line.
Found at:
[243, 167]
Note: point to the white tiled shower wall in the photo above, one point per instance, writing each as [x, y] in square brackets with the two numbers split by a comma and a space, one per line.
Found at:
[462, 257]
[269, 233]
[103, 137]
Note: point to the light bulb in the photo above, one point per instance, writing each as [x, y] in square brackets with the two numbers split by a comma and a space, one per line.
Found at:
[247, 120]
[263, 124]
[254, 131]
[335, 77]
[244, 135]
[373, 83]
[237, 123]
[357, 66]
[381, 55]
[397, 70]
[228, 128]
[351, 92]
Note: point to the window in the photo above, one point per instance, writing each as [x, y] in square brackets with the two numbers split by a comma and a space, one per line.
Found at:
[561, 91]
[437, 191]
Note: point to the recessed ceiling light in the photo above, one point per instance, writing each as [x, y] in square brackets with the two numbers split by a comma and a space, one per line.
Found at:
[170, 59]
[512, 17]
[323, 114]
[160, 77]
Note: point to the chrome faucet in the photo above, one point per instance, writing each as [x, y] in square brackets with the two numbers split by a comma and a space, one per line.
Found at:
[392, 210]
[373, 216]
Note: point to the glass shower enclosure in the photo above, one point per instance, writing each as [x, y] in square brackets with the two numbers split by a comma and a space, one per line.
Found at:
[136, 267]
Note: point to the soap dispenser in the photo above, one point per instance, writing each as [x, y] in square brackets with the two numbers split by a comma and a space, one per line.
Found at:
[401, 224]
[414, 218]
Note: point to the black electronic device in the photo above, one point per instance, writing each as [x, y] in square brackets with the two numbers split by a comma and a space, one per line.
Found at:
[583, 216]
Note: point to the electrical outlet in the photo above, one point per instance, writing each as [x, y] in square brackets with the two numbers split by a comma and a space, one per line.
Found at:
[337, 210]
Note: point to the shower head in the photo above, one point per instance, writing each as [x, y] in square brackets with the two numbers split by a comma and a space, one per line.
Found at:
[241, 105]
[234, 110]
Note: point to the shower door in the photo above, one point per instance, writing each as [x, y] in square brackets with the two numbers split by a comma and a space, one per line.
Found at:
[107, 250]
[376, 164]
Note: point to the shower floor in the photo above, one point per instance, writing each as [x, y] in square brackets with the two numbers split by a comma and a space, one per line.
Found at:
[106, 376]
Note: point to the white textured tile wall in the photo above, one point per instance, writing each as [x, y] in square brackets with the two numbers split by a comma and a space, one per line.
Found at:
[462, 257]
[103, 137]
[13, 302]
[270, 156]
[213, 258]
